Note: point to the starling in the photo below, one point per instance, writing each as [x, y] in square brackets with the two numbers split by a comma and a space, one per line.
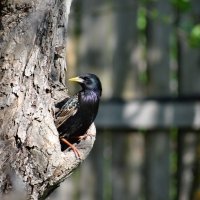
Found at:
[78, 112]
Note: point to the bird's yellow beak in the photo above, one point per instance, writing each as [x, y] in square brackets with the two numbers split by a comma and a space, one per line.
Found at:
[76, 79]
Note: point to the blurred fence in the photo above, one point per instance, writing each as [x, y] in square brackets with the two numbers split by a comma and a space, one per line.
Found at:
[147, 56]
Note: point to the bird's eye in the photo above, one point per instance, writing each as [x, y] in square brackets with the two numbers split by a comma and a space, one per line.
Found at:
[87, 80]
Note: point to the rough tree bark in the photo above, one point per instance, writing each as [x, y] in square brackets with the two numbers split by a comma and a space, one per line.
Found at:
[32, 76]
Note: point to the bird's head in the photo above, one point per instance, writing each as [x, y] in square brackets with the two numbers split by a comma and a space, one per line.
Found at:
[89, 82]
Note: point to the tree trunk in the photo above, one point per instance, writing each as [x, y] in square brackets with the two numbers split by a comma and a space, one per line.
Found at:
[32, 64]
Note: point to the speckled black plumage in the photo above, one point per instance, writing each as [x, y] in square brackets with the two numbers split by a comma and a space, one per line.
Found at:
[78, 112]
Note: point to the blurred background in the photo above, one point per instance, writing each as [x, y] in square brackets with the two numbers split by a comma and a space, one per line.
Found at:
[147, 55]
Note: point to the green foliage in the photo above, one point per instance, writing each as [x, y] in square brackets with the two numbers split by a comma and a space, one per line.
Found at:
[143, 77]
[182, 5]
[188, 27]
[141, 19]
[191, 32]
[155, 14]
[142, 25]
[194, 37]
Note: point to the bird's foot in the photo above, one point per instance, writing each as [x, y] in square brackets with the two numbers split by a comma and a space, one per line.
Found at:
[83, 137]
[76, 151]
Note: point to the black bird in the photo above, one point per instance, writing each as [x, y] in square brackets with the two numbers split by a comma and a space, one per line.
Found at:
[78, 112]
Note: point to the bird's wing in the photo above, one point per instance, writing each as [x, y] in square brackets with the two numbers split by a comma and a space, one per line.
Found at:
[68, 109]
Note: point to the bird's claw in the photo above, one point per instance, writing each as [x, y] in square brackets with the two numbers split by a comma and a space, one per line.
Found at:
[83, 137]
[75, 150]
